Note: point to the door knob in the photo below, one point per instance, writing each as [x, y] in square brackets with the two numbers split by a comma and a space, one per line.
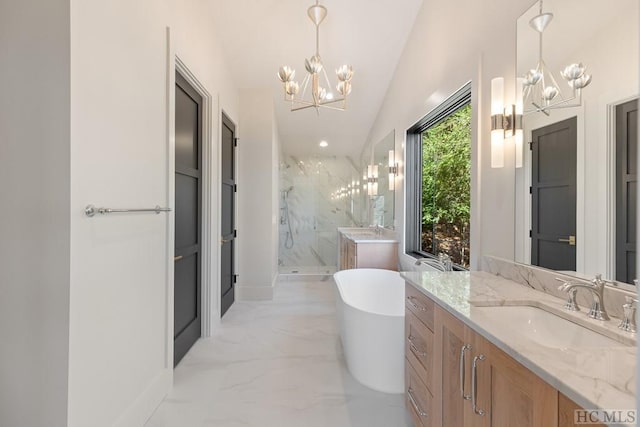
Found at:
[223, 241]
[571, 240]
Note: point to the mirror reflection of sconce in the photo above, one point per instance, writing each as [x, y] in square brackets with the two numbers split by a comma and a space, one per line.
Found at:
[506, 123]
[393, 170]
[372, 180]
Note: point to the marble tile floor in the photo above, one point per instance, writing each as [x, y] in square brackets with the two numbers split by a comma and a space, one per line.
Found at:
[276, 364]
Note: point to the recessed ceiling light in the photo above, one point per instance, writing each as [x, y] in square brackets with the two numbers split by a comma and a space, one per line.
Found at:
[324, 144]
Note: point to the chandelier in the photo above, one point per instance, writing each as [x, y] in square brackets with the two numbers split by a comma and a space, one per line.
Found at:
[314, 95]
[541, 92]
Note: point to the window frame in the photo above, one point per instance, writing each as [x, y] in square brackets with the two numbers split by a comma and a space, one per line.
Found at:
[413, 176]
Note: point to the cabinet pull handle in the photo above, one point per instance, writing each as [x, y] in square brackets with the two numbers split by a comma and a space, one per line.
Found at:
[414, 305]
[462, 371]
[413, 347]
[414, 403]
[474, 385]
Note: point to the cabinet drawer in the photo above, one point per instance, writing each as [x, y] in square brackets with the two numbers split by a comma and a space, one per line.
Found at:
[418, 399]
[418, 348]
[419, 305]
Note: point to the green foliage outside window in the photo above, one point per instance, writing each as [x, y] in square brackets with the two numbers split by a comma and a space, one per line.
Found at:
[446, 186]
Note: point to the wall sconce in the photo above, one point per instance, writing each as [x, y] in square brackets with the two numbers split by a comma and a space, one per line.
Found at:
[372, 180]
[393, 170]
[505, 123]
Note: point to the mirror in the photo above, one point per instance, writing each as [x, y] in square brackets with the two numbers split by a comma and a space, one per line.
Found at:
[576, 191]
[381, 205]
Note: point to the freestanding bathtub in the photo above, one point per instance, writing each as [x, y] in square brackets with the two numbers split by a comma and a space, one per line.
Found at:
[370, 306]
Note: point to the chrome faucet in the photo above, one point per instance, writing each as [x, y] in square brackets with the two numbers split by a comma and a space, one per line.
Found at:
[596, 287]
[443, 263]
[628, 323]
[377, 229]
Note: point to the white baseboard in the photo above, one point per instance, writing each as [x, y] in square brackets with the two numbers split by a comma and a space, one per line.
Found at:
[143, 407]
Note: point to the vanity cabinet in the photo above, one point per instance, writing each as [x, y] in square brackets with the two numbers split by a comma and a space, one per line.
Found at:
[443, 356]
[369, 253]
[566, 408]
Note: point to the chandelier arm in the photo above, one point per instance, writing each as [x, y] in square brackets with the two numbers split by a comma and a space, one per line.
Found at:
[317, 107]
[316, 104]
[561, 104]
[326, 79]
[305, 84]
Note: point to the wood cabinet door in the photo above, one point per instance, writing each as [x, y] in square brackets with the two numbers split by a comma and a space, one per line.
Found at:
[508, 393]
[449, 404]
[566, 410]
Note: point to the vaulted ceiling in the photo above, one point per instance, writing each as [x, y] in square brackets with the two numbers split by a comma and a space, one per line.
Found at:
[259, 36]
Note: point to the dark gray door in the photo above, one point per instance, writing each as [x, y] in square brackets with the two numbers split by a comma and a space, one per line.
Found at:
[553, 196]
[188, 190]
[227, 275]
[626, 190]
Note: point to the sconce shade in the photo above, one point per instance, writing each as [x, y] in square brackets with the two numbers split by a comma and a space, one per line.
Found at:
[497, 114]
[497, 96]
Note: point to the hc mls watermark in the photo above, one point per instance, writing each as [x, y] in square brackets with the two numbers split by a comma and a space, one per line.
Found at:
[607, 416]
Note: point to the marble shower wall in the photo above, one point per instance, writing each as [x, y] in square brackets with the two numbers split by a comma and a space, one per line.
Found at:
[319, 201]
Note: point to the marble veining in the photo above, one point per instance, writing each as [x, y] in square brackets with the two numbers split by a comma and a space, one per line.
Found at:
[276, 363]
[545, 281]
[366, 235]
[315, 212]
[601, 378]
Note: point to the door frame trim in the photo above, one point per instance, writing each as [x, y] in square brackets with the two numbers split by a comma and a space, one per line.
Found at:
[611, 187]
[208, 300]
[209, 284]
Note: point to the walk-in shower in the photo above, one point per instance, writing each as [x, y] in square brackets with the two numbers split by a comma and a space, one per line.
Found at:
[311, 211]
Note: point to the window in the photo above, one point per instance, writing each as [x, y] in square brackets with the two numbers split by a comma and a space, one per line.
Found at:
[439, 181]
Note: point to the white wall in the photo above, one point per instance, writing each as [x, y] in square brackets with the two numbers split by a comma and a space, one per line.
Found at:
[258, 156]
[34, 212]
[121, 275]
[450, 44]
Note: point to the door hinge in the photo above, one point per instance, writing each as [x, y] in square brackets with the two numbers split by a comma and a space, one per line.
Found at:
[530, 145]
[235, 188]
[235, 278]
[530, 190]
[235, 233]
[530, 233]
[235, 142]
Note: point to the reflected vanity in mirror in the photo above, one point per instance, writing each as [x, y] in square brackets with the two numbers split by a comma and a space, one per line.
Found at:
[576, 189]
[381, 171]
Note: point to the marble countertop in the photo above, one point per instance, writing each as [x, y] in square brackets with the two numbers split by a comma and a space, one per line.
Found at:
[366, 235]
[602, 378]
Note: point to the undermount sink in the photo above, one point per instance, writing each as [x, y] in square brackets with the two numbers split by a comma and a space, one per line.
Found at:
[541, 326]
